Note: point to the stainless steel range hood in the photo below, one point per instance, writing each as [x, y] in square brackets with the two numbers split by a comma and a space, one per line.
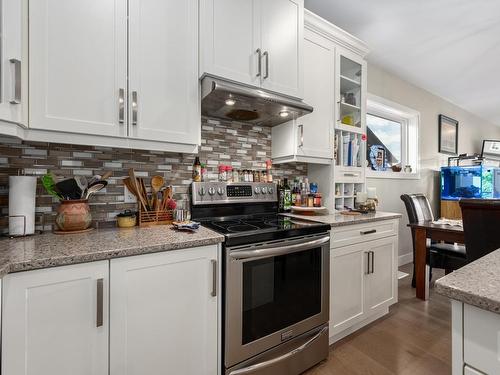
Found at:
[234, 102]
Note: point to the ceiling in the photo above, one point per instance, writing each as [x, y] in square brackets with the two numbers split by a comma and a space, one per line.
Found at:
[448, 47]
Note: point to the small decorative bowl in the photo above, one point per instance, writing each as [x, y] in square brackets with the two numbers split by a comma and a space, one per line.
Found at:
[396, 168]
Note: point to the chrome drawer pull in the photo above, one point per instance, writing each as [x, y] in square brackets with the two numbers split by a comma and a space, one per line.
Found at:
[16, 91]
[100, 303]
[214, 278]
[259, 62]
[363, 232]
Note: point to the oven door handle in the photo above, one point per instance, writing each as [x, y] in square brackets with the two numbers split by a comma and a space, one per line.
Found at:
[279, 250]
[259, 366]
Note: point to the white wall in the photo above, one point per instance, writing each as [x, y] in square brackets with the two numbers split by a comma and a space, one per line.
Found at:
[472, 130]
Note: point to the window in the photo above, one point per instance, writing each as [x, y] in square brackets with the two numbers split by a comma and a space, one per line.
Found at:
[392, 139]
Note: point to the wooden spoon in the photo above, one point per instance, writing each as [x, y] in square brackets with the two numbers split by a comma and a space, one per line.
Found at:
[156, 185]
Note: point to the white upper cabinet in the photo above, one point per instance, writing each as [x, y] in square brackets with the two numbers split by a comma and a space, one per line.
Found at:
[163, 70]
[11, 61]
[78, 66]
[255, 42]
[55, 321]
[310, 138]
[230, 38]
[282, 25]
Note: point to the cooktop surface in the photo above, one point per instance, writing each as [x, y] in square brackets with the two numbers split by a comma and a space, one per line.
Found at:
[262, 227]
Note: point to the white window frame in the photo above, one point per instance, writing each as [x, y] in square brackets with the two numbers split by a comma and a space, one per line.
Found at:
[410, 141]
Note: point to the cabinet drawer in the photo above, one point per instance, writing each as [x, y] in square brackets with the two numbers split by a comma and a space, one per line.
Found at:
[351, 234]
[482, 339]
[349, 174]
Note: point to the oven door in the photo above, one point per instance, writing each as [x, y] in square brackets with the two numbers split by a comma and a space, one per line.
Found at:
[274, 292]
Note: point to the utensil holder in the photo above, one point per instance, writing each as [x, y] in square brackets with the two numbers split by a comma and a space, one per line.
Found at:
[150, 218]
[73, 215]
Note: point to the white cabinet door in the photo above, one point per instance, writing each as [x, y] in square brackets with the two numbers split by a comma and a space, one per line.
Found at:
[381, 281]
[52, 321]
[163, 68]
[78, 57]
[163, 315]
[11, 14]
[230, 37]
[315, 131]
[282, 27]
[347, 271]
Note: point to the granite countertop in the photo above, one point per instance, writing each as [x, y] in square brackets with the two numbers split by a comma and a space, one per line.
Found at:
[477, 283]
[337, 220]
[50, 250]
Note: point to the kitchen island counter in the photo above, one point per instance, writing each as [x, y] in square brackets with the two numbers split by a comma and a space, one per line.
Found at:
[51, 250]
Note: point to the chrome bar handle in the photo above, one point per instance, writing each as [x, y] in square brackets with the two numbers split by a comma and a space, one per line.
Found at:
[367, 262]
[373, 262]
[364, 232]
[100, 302]
[266, 55]
[259, 62]
[301, 136]
[16, 80]
[254, 369]
[279, 250]
[134, 108]
[214, 278]
[121, 106]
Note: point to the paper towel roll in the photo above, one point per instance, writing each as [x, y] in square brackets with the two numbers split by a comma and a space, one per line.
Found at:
[22, 191]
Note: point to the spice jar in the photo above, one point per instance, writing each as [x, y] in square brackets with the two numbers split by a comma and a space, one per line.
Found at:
[236, 176]
[310, 200]
[317, 200]
[229, 173]
[222, 173]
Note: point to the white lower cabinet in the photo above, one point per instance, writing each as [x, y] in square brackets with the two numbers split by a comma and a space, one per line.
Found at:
[55, 321]
[147, 314]
[164, 313]
[363, 282]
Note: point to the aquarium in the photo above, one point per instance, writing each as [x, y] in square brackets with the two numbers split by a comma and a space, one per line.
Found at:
[470, 182]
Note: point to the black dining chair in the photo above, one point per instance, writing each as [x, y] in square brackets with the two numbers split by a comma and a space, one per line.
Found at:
[439, 255]
[481, 220]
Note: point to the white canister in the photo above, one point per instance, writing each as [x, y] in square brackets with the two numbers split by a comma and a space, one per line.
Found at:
[22, 192]
[372, 192]
[361, 197]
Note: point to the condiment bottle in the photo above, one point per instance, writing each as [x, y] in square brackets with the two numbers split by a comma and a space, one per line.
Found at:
[317, 200]
[236, 176]
[269, 164]
[196, 169]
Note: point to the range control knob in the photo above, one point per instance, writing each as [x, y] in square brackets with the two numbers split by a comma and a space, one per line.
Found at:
[257, 190]
[271, 190]
[220, 191]
[264, 190]
[202, 191]
[211, 191]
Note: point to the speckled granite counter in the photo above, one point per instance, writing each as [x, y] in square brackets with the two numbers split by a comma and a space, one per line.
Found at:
[477, 284]
[337, 220]
[50, 250]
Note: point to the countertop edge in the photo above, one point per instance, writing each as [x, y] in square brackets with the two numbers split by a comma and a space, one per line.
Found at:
[70, 259]
[476, 284]
[349, 220]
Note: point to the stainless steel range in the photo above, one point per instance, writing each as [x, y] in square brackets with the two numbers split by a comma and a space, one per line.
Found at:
[275, 279]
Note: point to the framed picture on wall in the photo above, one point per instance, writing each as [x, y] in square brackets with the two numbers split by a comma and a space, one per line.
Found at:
[448, 135]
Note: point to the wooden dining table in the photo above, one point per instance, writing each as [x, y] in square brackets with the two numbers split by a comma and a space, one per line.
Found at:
[436, 232]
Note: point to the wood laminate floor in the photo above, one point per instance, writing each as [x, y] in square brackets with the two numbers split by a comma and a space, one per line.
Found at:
[413, 339]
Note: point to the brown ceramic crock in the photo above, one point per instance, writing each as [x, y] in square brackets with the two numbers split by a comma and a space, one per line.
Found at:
[73, 215]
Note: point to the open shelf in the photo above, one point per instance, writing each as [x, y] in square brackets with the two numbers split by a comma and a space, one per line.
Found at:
[348, 84]
[348, 128]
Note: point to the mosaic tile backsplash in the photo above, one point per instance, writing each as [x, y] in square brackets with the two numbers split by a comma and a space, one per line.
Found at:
[241, 145]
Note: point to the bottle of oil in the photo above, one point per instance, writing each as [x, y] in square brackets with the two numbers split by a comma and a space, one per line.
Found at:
[287, 196]
[197, 170]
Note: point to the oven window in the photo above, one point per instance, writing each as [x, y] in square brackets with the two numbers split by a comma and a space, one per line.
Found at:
[279, 292]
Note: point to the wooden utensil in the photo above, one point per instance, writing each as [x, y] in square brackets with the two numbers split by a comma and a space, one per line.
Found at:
[156, 185]
[145, 193]
[106, 175]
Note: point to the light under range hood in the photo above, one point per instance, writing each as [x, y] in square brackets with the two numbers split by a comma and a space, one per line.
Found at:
[229, 101]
